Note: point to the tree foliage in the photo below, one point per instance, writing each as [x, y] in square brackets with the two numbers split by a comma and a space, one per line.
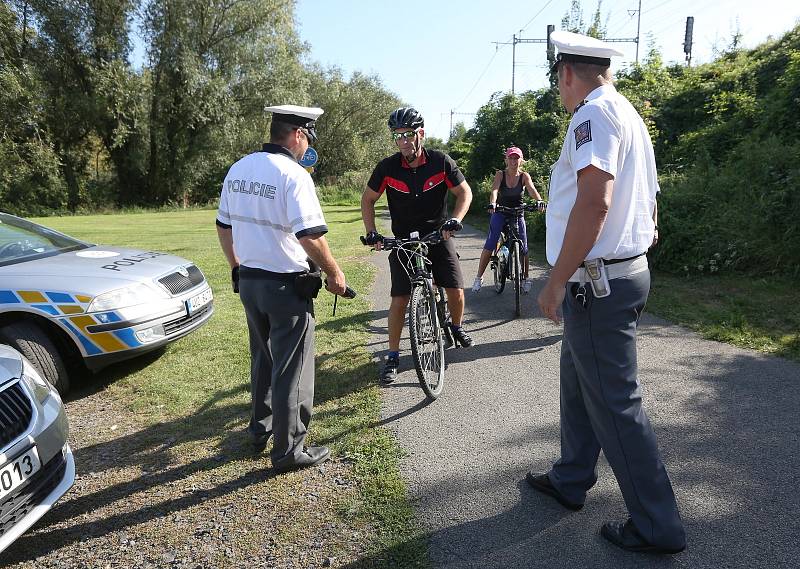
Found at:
[354, 124]
[725, 140]
[83, 124]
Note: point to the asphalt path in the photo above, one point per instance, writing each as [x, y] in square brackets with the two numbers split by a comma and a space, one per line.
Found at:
[726, 421]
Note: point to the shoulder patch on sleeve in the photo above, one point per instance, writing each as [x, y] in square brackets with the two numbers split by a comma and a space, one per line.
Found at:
[583, 134]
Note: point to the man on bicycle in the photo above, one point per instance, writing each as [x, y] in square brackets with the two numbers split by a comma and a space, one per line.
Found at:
[416, 182]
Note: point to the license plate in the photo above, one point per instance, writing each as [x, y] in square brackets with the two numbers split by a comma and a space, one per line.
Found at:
[15, 473]
[199, 301]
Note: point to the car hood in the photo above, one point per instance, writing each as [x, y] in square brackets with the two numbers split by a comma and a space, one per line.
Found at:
[96, 269]
[10, 364]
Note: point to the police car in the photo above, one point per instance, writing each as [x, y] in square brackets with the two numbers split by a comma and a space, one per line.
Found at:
[36, 463]
[65, 302]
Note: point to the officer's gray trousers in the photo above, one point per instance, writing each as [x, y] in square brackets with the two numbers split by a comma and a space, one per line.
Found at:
[281, 327]
[601, 408]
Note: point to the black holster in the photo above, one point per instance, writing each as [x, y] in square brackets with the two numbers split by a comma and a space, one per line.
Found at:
[308, 285]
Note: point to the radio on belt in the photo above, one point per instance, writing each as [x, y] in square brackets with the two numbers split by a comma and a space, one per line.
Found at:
[598, 277]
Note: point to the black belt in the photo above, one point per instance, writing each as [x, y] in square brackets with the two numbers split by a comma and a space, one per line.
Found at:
[615, 261]
[253, 273]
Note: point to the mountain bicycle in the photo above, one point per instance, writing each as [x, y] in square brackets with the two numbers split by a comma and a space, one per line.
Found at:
[506, 262]
[428, 314]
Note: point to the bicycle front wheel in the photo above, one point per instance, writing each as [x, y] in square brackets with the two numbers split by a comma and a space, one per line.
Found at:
[427, 343]
[516, 275]
[444, 316]
[499, 272]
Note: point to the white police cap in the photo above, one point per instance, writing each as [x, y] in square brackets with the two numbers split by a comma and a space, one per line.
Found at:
[582, 49]
[296, 115]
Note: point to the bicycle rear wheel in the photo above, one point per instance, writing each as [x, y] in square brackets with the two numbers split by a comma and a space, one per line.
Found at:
[516, 275]
[427, 343]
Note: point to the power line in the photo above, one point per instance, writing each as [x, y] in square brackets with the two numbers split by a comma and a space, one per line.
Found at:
[522, 29]
[497, 49]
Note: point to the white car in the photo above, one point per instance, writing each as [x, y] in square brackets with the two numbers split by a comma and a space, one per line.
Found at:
[36, 463]
[65, 302]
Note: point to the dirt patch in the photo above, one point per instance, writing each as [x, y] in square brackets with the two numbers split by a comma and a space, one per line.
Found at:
[171, 495]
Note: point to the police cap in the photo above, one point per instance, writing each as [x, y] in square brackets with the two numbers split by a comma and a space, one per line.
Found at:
[302, 117]
[578, 48]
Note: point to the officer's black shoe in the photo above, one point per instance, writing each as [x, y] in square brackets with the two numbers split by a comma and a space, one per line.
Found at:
[541, 483]
[259, 442]
[309, 457]
[389, 372]
[461, 337]
[626, 536]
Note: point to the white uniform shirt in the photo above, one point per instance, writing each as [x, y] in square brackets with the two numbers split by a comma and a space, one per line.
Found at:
[608, 133]
[270, 202]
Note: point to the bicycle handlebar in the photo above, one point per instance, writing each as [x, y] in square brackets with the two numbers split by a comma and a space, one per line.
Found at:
[389, 243]
[520, 210]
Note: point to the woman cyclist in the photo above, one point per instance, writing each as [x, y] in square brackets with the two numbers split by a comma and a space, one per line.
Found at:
[507, 190]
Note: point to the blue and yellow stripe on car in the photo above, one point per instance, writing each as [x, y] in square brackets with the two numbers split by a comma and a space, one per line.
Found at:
[70, 310]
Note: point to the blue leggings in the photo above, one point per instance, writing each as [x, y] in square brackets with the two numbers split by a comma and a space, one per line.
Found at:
[496, 226]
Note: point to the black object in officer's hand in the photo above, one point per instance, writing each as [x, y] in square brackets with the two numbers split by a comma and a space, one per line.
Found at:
[372, 238]
[235, 278]
[452, 225]
[490, 207]
[348, 292]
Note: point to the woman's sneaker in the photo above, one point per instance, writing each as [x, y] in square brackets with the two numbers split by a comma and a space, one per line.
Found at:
[476, 286]
[526, 286]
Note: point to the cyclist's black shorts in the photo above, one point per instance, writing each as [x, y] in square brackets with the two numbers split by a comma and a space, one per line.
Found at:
[446, 268]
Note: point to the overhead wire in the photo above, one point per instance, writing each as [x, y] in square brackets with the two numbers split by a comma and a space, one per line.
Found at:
[523, 28]
[485, 69]
[494, 55]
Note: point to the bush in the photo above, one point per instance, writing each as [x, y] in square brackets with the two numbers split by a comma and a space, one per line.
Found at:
[345, 189]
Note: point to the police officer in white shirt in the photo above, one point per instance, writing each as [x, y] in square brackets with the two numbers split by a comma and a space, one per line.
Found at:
[599, 227]
[269, 224]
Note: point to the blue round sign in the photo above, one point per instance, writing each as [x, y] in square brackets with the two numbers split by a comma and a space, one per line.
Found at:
[309, 158]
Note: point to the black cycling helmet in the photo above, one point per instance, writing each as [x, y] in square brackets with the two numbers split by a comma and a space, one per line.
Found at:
[406, 117]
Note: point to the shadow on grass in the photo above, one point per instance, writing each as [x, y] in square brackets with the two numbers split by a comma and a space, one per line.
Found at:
[150, 450]
[84, 383]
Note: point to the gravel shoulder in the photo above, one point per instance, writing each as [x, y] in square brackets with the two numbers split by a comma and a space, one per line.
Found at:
[186, 492]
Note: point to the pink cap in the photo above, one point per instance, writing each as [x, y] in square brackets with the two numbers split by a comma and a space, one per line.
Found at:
[514, 150]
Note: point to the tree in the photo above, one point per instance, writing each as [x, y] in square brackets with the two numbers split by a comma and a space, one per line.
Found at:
[209, 88]
[353, 131]
[573, 21]
[74, 41]
[573, 18]
[597, 29]
[30, 181]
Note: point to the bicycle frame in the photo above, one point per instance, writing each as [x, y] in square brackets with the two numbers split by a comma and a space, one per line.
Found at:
[510, 267]
[428, 315]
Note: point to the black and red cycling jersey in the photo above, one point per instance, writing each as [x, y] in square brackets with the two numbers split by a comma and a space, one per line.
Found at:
[417, 196]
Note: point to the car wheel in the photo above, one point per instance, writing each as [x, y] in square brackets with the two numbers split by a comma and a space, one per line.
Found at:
[31, 341]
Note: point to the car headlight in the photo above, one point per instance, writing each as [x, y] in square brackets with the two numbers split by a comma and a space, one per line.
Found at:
[41, 387]
[138, 293]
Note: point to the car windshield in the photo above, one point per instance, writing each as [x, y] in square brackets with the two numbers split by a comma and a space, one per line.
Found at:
[22, 240]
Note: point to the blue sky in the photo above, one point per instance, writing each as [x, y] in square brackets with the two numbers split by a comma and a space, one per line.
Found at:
[440, 56]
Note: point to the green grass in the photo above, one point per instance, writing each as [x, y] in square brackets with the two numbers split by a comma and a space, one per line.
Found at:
[198, 390]
[754, 313]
